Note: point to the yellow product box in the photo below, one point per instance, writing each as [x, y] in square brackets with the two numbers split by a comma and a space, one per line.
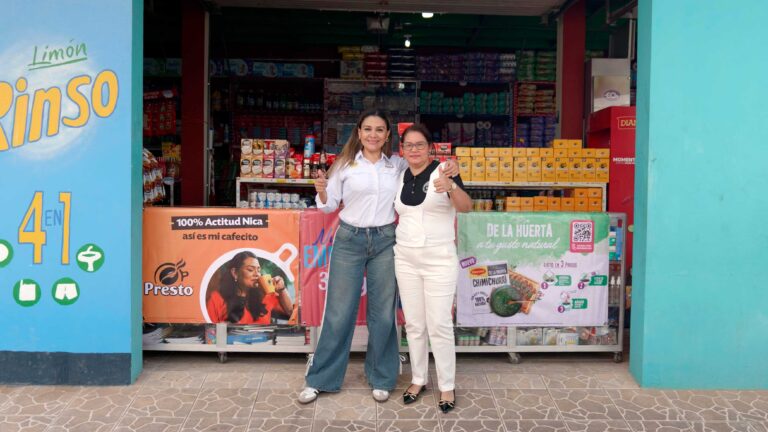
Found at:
[594, 193]
[463, 152]
[512, 204]
[588, 169]
[553, 204]
[521, 169]
[562, 169]
[534, 169]
[518, 152]
[575, 169]
[532, 152]
[602, 153]
[491, 152]
[507, 169]
[575, 144]
[560, 152]
[548, 171]
[560, 144]
[491, 169]
[547, 152]
[540, 201]
[595, 204]
[478, 169]
[579, 193]
[526, 204]
[477, 152]
[589, 152]
[567, 204]
[505, 152]
[465, 167]
[602, 170]
[575, 153]
[581, 204]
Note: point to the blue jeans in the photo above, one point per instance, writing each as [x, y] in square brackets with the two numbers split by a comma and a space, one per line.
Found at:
[355, 251]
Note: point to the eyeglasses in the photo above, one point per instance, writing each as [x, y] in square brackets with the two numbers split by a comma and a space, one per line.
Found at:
[421, 145]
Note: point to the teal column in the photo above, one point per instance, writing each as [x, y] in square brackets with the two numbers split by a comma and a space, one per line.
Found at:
[699, 315]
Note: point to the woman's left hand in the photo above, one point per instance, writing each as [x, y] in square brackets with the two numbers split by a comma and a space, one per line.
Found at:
[451, 168]
[442, 183]
[279, 284]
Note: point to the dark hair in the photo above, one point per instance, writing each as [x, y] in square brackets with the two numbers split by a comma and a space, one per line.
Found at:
[236, 305]
[417, 127]
[354, 144]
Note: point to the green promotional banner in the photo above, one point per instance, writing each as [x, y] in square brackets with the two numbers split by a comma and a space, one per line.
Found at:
[532, 269]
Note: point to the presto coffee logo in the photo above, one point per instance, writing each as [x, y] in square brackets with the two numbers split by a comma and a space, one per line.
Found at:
[168, 273]
[166, 276]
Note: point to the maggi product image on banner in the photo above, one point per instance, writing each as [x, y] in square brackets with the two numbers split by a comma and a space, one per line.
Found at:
[532, 269]
[220, 265]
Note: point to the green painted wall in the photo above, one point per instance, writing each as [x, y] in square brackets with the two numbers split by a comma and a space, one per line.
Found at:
[699, 316]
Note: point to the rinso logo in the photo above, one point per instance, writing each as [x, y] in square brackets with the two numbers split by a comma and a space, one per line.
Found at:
[166, 276]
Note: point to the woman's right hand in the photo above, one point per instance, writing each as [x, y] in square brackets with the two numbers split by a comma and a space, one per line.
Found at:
[321, 183]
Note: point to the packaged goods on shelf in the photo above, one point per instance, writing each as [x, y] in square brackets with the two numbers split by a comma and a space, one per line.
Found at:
[292, 336]
[529, 336]
[186, 334]
[467, 67]
[154, 191]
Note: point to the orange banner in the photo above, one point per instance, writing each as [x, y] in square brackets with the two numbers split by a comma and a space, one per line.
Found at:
[220, 265]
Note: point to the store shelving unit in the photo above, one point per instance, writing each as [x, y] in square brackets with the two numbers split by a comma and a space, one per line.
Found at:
[518, 113]
[344, 100]
[222, 347]
[474, 109]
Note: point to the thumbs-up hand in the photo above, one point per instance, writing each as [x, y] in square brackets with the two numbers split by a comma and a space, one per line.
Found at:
[442, 183]
[321, 183]
[451, 168]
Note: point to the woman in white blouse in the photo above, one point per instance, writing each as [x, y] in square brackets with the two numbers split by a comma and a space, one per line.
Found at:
[426, 263]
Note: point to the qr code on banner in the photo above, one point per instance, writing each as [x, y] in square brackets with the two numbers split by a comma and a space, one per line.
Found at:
[582, 236]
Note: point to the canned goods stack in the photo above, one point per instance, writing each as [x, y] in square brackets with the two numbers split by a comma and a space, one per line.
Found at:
[269, 199]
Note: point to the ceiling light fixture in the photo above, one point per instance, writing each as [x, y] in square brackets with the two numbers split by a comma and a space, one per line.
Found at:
[427, 15]
[407, 41]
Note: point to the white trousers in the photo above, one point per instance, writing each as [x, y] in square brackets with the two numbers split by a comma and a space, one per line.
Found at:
[426, 278]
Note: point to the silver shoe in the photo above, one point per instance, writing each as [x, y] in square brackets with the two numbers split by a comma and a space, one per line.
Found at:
[380, 395]
[308, 395]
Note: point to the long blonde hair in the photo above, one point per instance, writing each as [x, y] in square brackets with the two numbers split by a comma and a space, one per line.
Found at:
[354, 144]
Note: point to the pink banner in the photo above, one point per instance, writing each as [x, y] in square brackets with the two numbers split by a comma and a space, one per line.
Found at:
[316, 239]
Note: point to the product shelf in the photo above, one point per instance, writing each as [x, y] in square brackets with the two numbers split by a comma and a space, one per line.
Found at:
[466, 115]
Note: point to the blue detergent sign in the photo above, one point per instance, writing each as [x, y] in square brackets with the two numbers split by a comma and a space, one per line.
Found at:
[68, 185]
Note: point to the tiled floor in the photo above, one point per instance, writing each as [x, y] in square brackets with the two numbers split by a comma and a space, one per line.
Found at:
[257, 392]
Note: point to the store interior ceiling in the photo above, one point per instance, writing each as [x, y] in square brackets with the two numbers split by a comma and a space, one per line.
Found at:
[307, 28]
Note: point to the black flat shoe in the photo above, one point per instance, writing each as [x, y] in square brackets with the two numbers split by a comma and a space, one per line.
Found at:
[409, 398]
[447, 406]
